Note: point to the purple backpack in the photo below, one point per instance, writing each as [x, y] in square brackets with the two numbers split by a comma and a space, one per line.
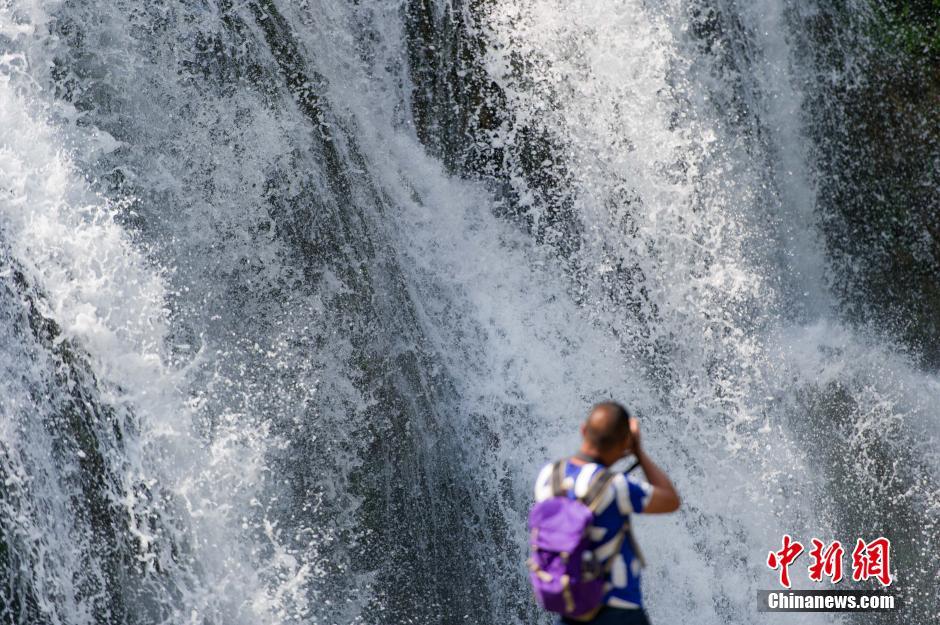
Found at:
[566, 575]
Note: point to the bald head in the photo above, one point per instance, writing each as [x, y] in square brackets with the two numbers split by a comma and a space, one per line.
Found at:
[607, 426]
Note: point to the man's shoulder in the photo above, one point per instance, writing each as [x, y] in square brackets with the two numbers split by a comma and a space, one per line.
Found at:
[629, 493]
[543, 482]
[545, 473]
[637, 482]
[575, 476]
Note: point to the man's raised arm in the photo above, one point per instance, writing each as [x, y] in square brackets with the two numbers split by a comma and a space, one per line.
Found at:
[664, 497]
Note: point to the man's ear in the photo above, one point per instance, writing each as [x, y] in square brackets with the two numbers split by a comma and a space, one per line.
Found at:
[583, 428]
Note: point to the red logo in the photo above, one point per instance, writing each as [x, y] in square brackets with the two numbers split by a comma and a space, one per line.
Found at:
[869, 560]
[784, 558]
[826, 561]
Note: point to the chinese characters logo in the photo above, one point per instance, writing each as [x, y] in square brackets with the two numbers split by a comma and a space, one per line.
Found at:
[869, 560]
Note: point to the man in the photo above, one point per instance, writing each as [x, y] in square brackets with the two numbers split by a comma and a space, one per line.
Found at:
[609, 434]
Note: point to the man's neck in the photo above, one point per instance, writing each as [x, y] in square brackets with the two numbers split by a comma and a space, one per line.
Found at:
[584, 456]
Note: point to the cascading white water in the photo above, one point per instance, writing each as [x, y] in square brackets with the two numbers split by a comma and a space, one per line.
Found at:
[334, 361]
[108, 301]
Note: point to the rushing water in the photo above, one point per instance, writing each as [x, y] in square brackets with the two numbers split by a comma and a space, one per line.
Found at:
[297, 297]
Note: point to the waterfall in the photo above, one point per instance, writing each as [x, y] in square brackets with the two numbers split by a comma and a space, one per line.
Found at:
[298, 297]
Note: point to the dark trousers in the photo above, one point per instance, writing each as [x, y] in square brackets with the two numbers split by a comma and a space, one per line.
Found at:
[611, 616]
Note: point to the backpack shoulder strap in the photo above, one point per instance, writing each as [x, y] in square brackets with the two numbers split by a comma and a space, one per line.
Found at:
[558, 478]
[636, 547]
[599, 483]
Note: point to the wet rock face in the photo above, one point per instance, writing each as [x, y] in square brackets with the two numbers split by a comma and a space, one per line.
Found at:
[879, 163]
[832, 433]
[459, 111]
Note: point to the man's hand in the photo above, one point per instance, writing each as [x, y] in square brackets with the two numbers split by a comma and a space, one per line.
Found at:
[664, 497]
[635, 436]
